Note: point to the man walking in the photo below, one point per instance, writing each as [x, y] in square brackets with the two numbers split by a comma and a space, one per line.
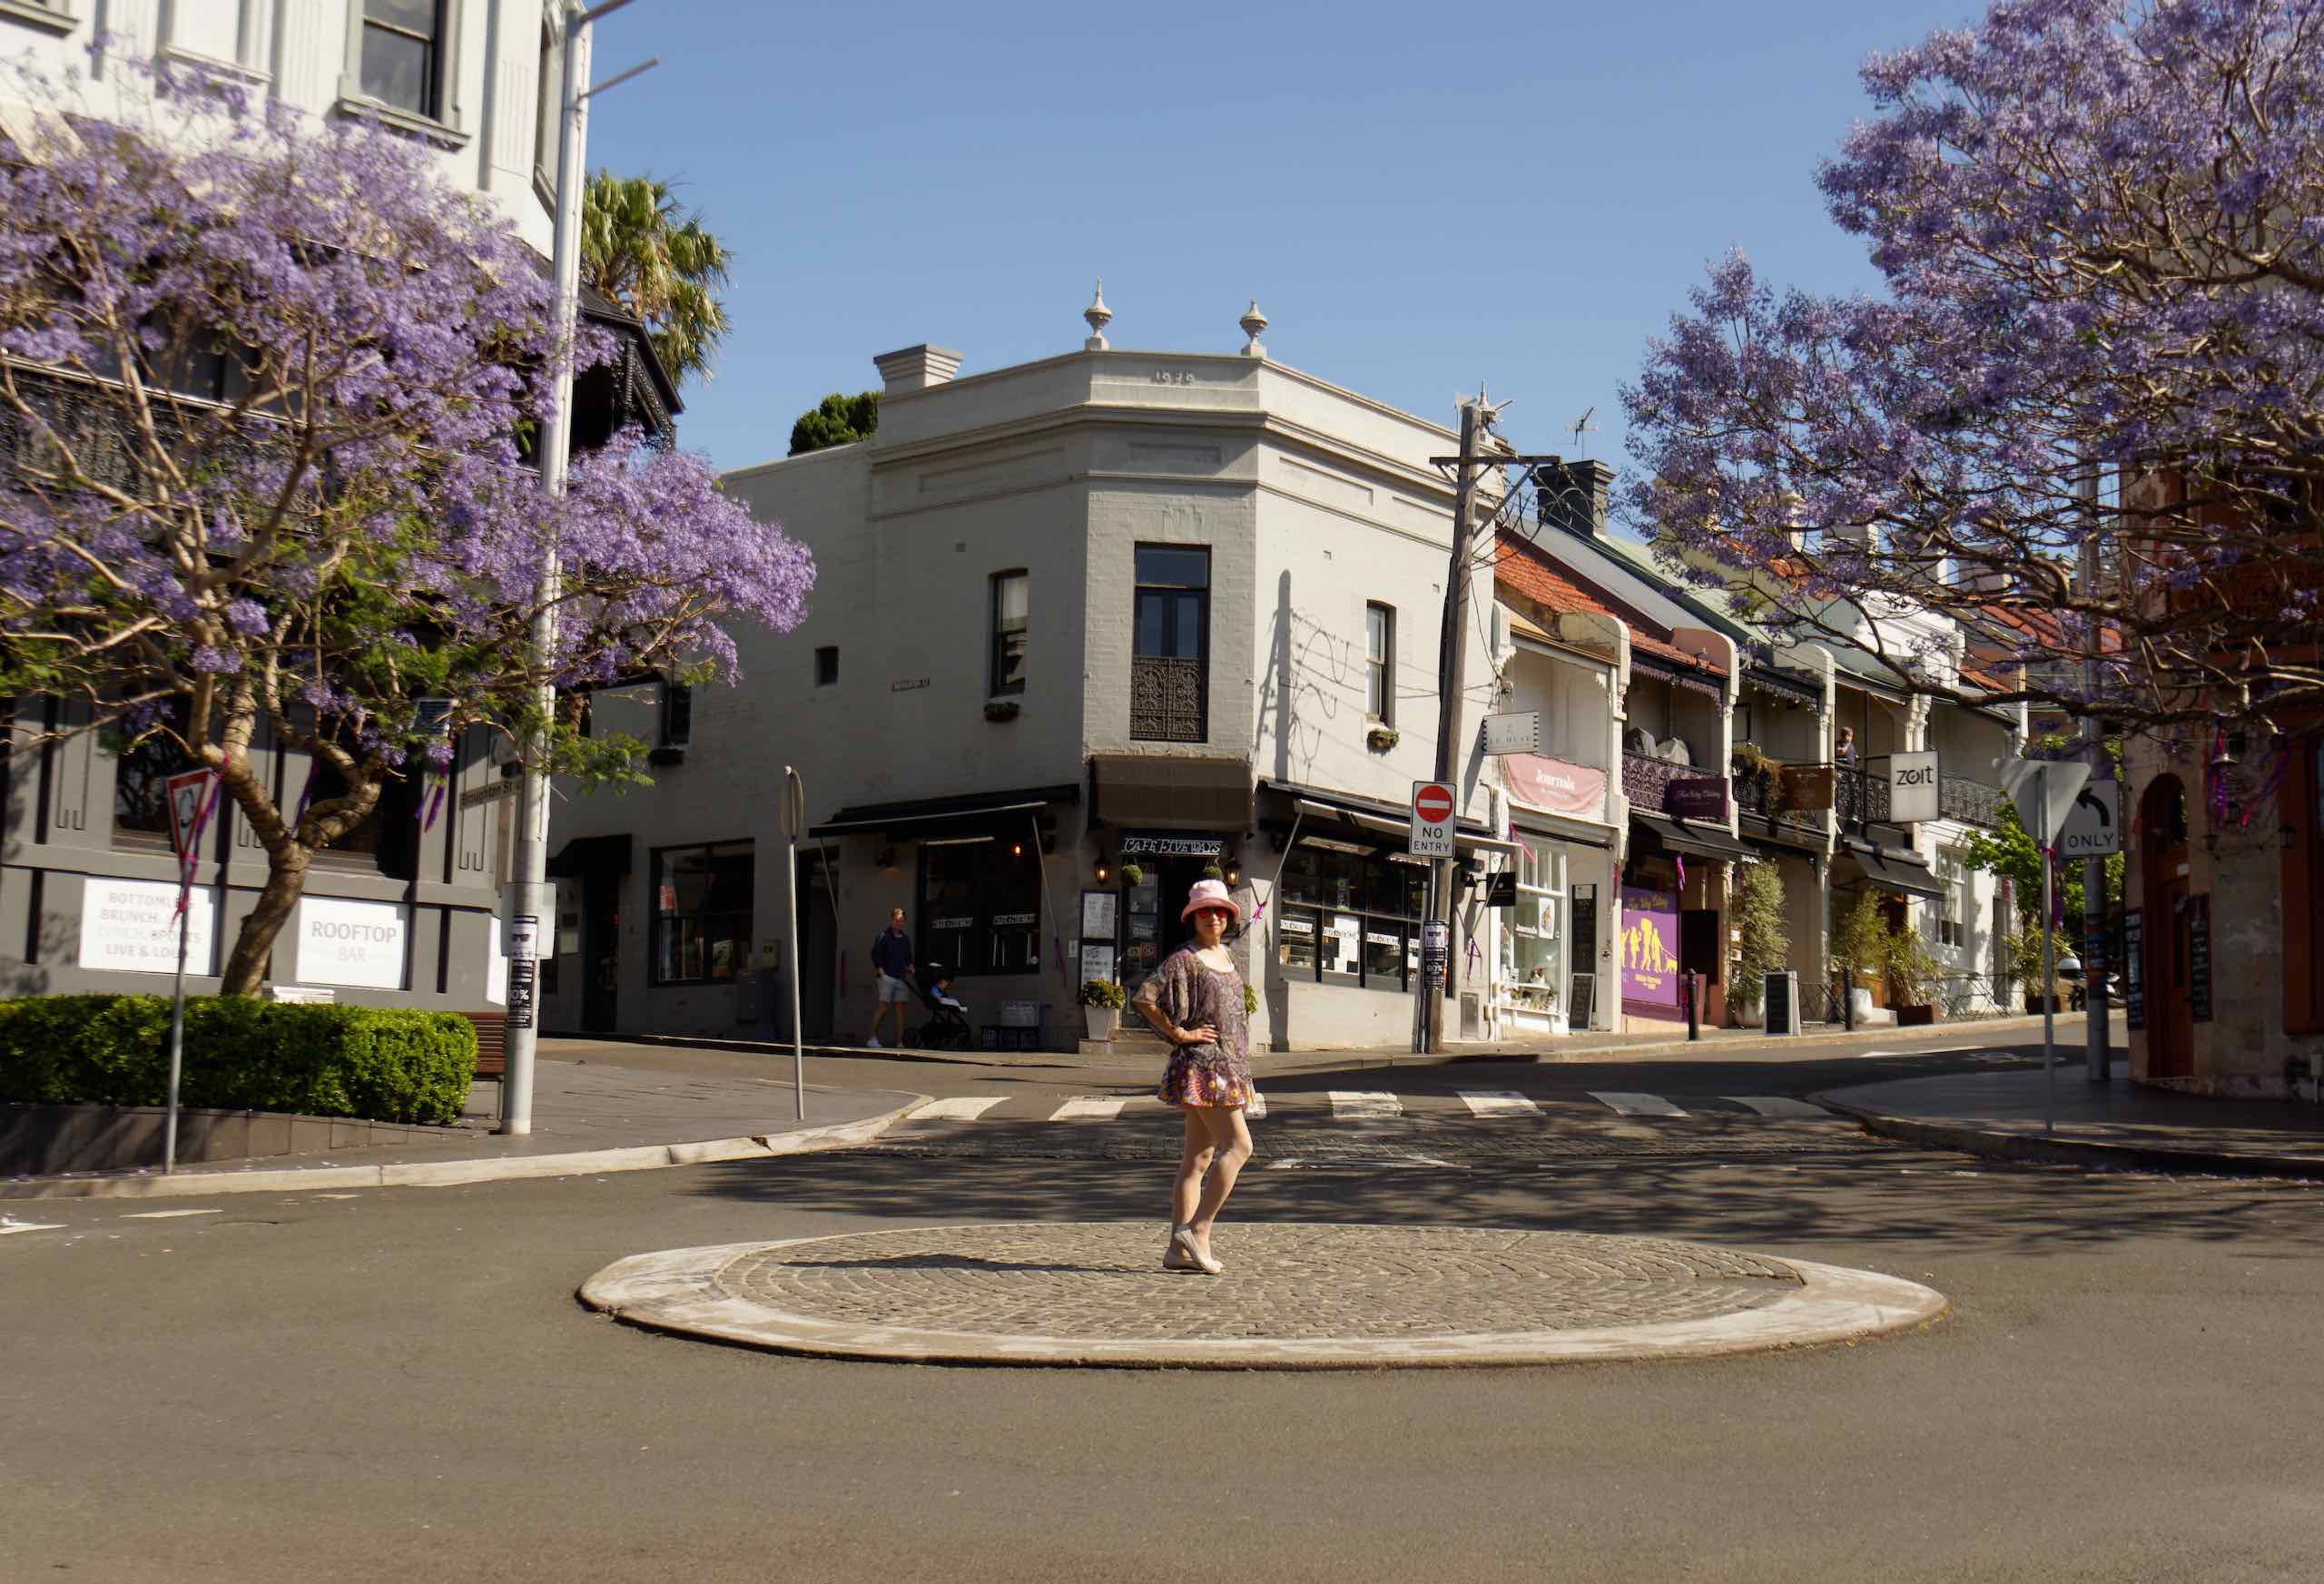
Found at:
[891, 965]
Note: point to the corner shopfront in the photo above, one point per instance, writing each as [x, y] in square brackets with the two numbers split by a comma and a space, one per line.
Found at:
[1674, 905]
[1347, 905]
[1554, 941]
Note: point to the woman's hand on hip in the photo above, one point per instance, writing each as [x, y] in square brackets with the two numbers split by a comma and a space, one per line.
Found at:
[1205, 1035]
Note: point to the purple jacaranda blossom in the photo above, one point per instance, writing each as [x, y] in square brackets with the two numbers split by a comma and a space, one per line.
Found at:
[271, 387]
[2102, 322]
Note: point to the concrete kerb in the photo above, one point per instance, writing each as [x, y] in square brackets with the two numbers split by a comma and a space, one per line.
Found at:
[2048, 1149]
[446, 1173]
[1351, 1056]
[678, 1292]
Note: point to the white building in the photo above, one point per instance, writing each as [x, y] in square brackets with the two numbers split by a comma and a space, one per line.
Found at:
[1106, 612]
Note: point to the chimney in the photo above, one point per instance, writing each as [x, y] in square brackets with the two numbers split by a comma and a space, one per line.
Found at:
[920, 368]
[1575, 495]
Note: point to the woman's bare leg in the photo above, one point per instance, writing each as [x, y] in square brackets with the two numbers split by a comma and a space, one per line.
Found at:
[1195, 1155]
[1230, 1147]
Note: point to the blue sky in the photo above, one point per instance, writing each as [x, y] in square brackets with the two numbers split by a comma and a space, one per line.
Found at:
[1419, 198]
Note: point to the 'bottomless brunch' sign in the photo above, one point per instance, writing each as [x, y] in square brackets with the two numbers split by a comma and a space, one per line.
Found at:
[343, 942]
[130, 926]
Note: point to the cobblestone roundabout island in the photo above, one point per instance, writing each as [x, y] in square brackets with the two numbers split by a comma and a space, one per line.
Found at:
[1295, 1296]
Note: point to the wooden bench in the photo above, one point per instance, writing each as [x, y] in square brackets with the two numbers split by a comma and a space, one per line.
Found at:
[491, 1043]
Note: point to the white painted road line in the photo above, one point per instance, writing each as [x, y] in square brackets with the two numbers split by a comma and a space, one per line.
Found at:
[1629, 1105]
[1097, 1107]
[9, 1224]
[1499, 1103]
[1356, 1103]
[1926, 1050]
[959, 1108]
[1779, 1105]
[168, 1215]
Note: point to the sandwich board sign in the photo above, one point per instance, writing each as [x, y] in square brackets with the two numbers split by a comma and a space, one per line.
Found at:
[2093, 822]
[1431, 832]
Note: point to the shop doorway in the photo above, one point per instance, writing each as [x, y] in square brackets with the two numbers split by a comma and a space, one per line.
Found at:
[600, 951]
[818, 947]
[2170, 930]
[1151, 927]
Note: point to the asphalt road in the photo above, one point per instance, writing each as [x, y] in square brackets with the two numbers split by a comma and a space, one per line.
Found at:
[398, 1383]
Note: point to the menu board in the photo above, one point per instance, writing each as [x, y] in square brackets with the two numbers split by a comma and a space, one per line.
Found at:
[2198, 958]
[2135, 966]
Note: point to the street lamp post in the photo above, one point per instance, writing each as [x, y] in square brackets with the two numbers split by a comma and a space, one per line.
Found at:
[529, 889]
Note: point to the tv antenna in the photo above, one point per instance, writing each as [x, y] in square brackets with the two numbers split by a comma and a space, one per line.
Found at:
[1582, 427]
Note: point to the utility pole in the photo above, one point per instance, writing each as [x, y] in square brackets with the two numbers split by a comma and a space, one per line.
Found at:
[530, 888]
[1451, 676]
[2098, 942]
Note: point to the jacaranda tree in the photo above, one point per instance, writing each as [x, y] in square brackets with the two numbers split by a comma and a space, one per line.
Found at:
[266, 391]
[2101, 224]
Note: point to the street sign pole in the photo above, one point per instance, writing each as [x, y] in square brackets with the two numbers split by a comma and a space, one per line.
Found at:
[191, 796]
[2096, 946]
[2049, 957]
[794, 819]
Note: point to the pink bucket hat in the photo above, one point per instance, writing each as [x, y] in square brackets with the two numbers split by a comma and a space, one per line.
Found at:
[1209, 893]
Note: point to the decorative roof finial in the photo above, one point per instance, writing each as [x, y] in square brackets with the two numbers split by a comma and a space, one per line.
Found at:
[1099, 316]
[1252, 323]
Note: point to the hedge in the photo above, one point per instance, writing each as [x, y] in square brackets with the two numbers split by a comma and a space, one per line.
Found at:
[384, 1064]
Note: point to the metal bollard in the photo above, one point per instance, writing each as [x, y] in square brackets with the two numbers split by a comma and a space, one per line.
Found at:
[1847, 998]
[1694, 1011]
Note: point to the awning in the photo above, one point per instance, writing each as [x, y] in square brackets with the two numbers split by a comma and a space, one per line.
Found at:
[1697, 840]
[590, 855]
[1170, 789]
[1894, 869]
[1762, 831]
[1554, 827]
[942, 816]
[1314, 805]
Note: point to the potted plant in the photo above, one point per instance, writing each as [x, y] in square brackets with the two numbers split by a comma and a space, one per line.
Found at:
[1001, 708]
[2022, 950]
[1133, 874]
[1101, 1004]
[1860, 944]
[1213, 872]
[1913, 976]
[1382, 737]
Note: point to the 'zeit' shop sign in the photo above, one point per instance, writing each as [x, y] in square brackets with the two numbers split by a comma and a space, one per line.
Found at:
[1912, 787]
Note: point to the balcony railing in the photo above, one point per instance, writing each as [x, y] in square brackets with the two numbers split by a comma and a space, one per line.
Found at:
[1759, 794]
[1860, 796]
[1168, 700]
[1647, 782]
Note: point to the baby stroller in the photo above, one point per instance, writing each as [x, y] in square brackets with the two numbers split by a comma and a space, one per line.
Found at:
[946, 1029]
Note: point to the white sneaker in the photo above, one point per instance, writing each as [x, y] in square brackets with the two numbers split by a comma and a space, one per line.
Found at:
[874, 1043]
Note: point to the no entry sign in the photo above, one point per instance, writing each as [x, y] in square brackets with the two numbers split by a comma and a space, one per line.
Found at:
[1431, 834]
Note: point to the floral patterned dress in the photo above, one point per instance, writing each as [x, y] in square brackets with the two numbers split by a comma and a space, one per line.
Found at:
[1194, 995]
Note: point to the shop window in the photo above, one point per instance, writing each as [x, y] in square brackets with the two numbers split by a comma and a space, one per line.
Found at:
[703, 912]
[827, 665]
[403, 55]
[1534, 930]
[1009, 602]
[1380, 662]
[141, 803]
[387, 838]
[980, 905]
[1349, 918]
[677, 715]
[1953, 906]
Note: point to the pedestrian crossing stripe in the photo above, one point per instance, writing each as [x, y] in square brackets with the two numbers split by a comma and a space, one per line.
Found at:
[1777, 1105]
[9, 1224]
[959, 1108]
[1629, 1105]
[1363, 1102]
[1499, 1103]
[1100, 1108]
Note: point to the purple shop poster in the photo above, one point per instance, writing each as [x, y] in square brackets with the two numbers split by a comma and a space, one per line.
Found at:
[1650, 984]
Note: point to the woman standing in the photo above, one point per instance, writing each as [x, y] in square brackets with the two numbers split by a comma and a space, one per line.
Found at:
[1195, 1000]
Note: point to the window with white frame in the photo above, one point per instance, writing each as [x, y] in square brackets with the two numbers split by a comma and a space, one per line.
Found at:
[1953, 907]
[211, 32]
[1380, 662]
[1011, 607]
[1533, 936]
[402, 55]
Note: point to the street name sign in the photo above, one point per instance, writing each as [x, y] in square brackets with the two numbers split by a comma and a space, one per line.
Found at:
[1911, 788]
[1431, 832]
[2093, 822]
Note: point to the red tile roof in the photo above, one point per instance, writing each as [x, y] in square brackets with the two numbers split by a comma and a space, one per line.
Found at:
[1527, 570]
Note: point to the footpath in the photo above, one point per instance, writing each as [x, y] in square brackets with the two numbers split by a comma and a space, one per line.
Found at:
[588, 1118]
[2117, 1124]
